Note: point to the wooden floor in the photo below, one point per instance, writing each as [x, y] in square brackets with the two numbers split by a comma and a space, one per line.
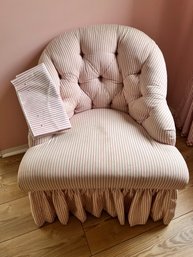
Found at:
[96, 237]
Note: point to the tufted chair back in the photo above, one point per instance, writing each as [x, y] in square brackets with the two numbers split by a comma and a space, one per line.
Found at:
[112, 66]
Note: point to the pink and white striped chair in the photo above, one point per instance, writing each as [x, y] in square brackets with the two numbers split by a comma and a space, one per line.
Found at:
[119, 155]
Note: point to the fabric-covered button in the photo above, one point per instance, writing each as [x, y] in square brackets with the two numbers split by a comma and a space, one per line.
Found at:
[100, 78]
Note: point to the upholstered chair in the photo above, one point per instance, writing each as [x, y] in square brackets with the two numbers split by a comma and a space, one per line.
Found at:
[119, 154]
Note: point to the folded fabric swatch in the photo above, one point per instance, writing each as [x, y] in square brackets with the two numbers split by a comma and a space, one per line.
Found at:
[40, 101]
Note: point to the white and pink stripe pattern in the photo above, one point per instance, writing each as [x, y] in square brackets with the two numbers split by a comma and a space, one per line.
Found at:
[119, 155]
[104, 148]
[112, 66]
[135, 205]
[105, 162]
[41, 103]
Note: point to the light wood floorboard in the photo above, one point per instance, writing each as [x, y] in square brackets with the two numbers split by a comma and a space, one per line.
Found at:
[99, 237]
[9, 189]
[53, 240]
[173, 240]
[10, 163]
[15, 219]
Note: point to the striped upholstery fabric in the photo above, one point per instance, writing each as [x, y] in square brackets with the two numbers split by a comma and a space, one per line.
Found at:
[119, 154]
[134, 205]
[108, 162]
[110, 150]
[41, 102]
[112, 66]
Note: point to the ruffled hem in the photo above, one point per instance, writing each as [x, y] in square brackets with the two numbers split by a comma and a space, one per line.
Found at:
[135, 204]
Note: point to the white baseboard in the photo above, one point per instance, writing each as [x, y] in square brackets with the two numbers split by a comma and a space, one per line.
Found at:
[13, 151]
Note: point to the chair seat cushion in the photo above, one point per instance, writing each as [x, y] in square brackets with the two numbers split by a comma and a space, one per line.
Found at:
[104, 149]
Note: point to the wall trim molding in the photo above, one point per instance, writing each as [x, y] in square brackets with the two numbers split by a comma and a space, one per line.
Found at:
[13, 151]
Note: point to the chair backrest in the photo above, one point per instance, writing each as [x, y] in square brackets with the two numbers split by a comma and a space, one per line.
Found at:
[112, 66]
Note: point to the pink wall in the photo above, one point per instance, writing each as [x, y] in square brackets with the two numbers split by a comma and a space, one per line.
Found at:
[27, 26]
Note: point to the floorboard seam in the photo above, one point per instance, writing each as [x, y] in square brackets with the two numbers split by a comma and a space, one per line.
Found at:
[86, 239]
[14, 200]
[126, 240]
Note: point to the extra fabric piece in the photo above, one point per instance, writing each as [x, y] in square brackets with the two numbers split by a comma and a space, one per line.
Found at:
[41, 102]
